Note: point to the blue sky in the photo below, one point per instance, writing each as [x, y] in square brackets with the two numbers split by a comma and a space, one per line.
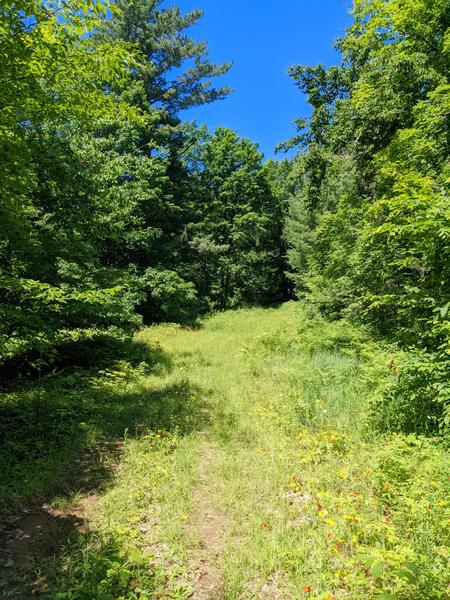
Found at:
[263, 38]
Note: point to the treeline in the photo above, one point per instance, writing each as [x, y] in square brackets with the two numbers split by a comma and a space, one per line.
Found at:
[369, 216]
[114, 211]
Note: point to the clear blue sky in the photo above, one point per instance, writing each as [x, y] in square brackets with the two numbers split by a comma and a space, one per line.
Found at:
[263, 38]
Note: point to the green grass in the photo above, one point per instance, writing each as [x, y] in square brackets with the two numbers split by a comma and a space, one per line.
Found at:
[306, 500]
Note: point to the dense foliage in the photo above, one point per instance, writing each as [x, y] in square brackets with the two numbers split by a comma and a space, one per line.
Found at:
[113, 210]
[369, 224]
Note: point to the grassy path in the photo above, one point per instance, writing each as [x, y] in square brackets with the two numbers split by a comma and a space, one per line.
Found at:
[253, 478]
[238, 505]
[229, 521]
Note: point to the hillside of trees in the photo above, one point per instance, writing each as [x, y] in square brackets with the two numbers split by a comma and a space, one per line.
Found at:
[160, 282]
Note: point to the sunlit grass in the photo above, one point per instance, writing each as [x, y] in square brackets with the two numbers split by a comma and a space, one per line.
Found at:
[311, 503]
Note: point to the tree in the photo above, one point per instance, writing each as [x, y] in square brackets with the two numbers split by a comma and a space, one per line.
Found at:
[369, 222]
[159, 34]
[236, 233]
[53, 76]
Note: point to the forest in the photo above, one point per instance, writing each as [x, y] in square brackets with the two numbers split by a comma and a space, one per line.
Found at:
[222, 377]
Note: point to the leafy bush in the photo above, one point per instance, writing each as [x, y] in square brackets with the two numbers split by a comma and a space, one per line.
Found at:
[418, 398]
[37, 319]
[168, 297]
[105, 565]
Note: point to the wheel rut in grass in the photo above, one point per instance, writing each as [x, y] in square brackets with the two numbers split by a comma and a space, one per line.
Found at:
[209, 523]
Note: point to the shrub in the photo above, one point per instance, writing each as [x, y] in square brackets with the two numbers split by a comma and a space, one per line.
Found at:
[417, 400]
[168, 297]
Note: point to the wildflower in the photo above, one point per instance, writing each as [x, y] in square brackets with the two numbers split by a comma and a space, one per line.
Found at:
[352, 518]
[330, 522]
[134, 519]
[337, 546]
[307, 589]
[264, 526]
[387, 486]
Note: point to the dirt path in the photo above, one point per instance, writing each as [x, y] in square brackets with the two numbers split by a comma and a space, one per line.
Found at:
[209, 525]
[44, 530]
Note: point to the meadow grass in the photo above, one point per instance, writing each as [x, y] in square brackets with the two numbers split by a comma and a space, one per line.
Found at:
[304, 500]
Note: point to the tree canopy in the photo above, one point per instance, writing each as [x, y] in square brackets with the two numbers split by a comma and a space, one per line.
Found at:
[116, 212]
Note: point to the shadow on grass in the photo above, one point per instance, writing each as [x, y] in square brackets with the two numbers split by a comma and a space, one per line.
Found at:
[101, 351]
[68, 561]
[64, 437]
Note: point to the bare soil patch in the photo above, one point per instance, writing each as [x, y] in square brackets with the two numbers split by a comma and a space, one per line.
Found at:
[32, 540]
[210, 524]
